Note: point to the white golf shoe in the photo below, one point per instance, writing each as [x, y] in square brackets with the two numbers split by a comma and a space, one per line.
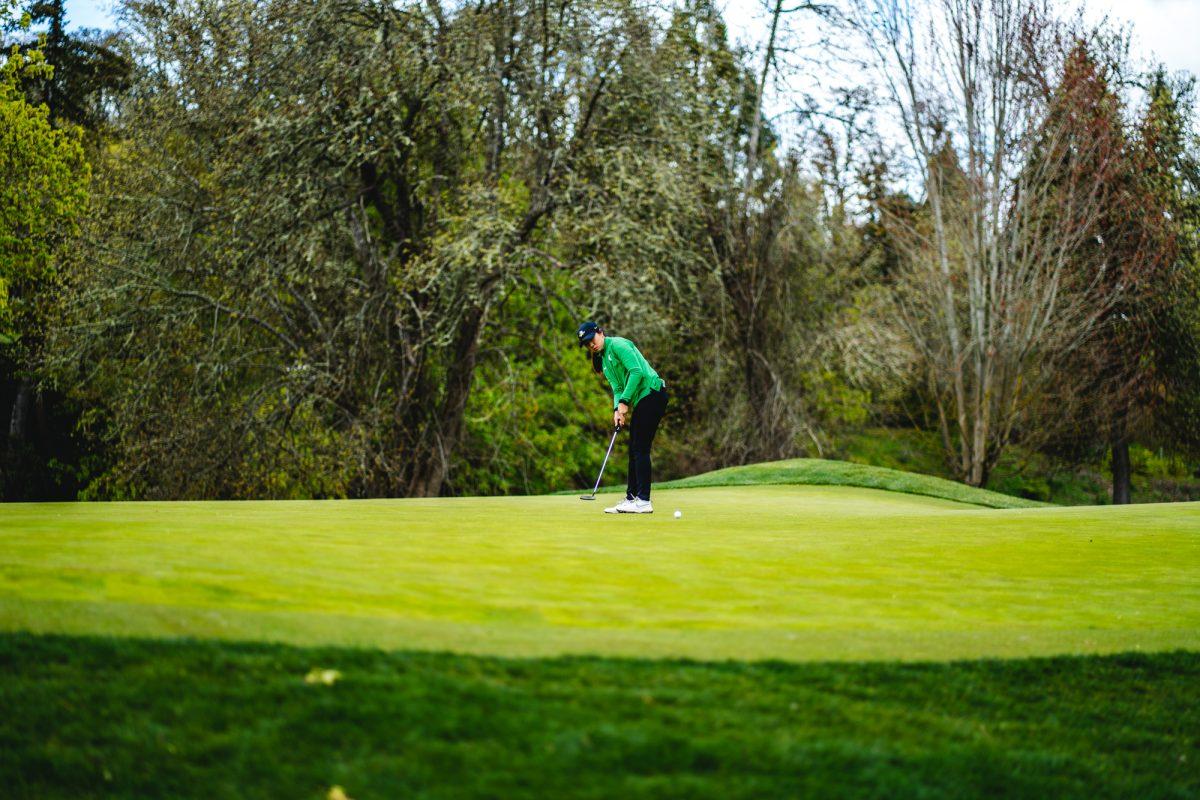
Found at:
[626, 506]
[641, 507]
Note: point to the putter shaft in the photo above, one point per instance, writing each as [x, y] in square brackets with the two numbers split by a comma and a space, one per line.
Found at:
[603, 465]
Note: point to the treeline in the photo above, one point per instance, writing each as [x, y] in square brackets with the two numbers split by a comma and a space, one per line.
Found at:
[339, 248]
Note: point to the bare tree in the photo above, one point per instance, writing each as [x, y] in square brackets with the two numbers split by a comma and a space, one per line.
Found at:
[992, 294]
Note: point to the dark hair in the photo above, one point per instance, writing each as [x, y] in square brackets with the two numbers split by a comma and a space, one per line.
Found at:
[597, 363]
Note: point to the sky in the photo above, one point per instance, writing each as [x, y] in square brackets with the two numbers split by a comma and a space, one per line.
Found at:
[1163, 30]
[89, 14]
[1166, 30]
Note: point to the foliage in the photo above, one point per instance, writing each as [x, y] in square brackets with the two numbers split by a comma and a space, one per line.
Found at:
[43, 193]
[89, 70]
[1158, 476]
[1172, 173]
[1021, 167]
[781, 267]
[43, 181]
[1132, 379]
[306, 228]
[539, 418]
[303, 276]
[1116, 373]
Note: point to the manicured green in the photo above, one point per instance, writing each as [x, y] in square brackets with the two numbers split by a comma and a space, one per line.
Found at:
[87, 717]
[749, 572]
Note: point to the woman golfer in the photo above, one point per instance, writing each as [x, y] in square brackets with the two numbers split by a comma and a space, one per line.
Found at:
[639, 399]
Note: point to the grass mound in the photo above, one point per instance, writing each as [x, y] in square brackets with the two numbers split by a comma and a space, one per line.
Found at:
[1020, 472]
[825, 472]
[91, 717]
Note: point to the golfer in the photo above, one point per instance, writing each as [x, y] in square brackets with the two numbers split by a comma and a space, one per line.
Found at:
[639, 401]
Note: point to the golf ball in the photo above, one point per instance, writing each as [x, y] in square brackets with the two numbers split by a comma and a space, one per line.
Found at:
[678, 514]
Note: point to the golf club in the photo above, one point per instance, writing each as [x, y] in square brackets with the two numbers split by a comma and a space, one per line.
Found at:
[592, 496]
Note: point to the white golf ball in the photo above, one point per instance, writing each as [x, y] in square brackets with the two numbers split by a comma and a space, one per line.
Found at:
[678, 514]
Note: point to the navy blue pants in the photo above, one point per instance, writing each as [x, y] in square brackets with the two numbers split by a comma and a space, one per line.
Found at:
[642, 427]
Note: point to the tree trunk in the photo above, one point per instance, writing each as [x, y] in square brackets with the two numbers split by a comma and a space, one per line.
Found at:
[430, 476]
[755, 122]
[18, 425]
[764, 441]
[18, 433]
[1121, 480]
[55, 39]
[759, 391]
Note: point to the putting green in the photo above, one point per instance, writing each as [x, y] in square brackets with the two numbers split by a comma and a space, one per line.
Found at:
[789, 572]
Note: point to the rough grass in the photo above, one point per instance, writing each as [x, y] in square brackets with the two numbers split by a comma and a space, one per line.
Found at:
[87, 717]
[787, 572]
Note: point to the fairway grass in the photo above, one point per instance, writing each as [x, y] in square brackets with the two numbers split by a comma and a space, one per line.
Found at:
[798, 573]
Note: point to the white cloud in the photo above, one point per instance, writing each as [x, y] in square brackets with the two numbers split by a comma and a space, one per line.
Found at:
[1163, 30]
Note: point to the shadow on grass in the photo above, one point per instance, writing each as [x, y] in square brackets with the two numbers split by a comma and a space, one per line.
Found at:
[98, 717]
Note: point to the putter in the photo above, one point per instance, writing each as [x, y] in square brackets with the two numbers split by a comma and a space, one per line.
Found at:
[592, 496]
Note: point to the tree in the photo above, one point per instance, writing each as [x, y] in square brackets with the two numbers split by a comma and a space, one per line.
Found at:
[1173, 175]
[298, 255]
[1136, 243]
[779, 263]
[1146, 360]
[1129, 379]
[89, 70]
[43, 191]
[989, 295]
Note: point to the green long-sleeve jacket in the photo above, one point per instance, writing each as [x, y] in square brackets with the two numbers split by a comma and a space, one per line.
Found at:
[628, 372]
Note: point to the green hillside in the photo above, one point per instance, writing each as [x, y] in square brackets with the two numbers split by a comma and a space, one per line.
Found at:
[827, 472]
[1157, 477]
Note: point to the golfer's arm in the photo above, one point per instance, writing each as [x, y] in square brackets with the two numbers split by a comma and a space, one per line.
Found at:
[633, 381]
[616, 391]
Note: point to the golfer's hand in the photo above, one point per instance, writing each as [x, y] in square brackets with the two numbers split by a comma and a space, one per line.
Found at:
[619, 415]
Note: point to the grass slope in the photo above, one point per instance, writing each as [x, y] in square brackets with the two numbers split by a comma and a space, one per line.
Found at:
[787, 572]
[1156, 477]
[826, 472]
[146, 719]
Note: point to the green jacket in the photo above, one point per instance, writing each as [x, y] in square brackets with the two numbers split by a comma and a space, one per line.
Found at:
[628, 372]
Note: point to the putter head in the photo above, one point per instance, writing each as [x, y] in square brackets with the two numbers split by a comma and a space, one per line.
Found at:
[587, 497]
